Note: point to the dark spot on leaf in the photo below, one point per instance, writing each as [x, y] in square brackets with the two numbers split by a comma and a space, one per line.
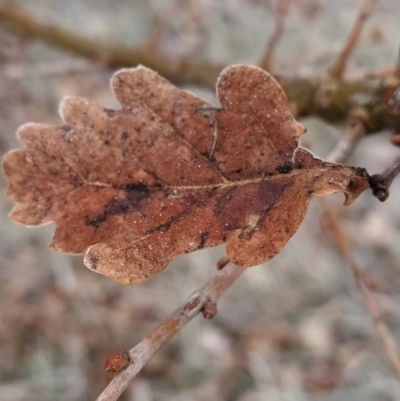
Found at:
[361, 172]
[167, 225]
[353, 185]
[137, 187]
[285, 168]
[203, 239]
[162, 227]
[135, 193]
[237, 171]
[211, 192]
[223, 200]
[95, 222]
[94, 259]
[65, 129]
[269, 193]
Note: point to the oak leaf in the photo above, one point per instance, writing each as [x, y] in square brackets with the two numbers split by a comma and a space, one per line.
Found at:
[168, 174]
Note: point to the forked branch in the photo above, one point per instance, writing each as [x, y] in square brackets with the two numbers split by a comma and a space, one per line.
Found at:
[199, 301]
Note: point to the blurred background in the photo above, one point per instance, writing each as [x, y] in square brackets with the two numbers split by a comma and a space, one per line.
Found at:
[295, 328]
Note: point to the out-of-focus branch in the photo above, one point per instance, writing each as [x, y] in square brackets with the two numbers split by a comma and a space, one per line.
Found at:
[340, 65]
[111, 56]
[142, 352]
[349, 141]
[266, 59]
[384, 334]
[332, 100]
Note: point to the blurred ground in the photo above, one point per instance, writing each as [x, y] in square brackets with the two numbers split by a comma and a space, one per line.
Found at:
[293, 329]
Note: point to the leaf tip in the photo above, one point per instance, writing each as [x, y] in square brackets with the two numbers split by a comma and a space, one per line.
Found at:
[23, 130]
[73, 108]
[94, 260]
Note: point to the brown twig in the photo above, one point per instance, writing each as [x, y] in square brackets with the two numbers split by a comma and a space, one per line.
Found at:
[349, 141]
[340, 65]
[380, 183]
[142, 352]
[266, 59]
[384, 334]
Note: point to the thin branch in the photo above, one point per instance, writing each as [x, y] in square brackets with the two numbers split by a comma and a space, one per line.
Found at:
[340, 65]
[387, 340]
[266, 59]
[142, 352]
[349, 141]
[380, 183]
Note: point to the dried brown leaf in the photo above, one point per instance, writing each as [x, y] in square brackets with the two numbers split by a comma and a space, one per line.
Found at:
[168, 174]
